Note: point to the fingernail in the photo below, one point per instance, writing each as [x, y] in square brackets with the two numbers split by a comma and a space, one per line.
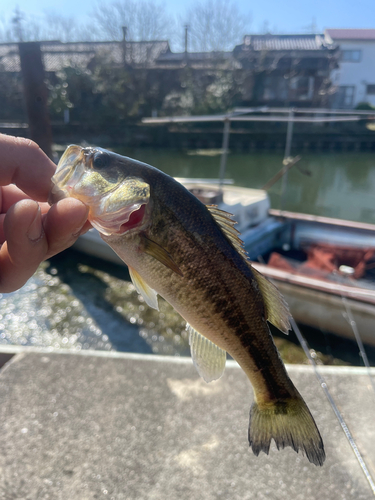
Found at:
[35, 232]
[78, 231]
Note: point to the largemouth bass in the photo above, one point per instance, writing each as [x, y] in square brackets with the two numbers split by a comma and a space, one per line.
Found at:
[192, 256]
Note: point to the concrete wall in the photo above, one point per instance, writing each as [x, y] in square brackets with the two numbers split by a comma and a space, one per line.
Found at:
[358, 74]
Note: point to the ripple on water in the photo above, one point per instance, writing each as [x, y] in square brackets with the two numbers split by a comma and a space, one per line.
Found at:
[91, 312]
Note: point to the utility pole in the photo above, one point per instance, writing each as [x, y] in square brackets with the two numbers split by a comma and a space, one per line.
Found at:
[288, 147]
[36, 95]
[17, 21]
[186, 41]
[124, 33]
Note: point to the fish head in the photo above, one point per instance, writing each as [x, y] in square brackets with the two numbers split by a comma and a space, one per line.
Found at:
[109, 184]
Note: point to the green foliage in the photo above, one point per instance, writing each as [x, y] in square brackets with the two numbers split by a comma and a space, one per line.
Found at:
[203, 92]
[365, 106]
[108, 96]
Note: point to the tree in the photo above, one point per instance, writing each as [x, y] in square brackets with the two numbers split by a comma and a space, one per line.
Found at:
[47, 26]
[144, 20]
[216, 25]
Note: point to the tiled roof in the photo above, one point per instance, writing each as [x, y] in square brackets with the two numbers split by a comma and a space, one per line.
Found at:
[57, 55]
[351, 34]
[285, 42]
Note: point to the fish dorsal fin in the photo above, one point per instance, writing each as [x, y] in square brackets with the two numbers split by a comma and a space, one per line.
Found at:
[277, 311]
[150, 296]
[208, 358]
[226, 224]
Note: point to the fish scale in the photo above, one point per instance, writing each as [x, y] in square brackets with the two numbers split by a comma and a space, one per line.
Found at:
[192, 256]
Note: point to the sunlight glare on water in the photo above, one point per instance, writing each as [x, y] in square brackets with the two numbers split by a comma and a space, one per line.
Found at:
[47, 312]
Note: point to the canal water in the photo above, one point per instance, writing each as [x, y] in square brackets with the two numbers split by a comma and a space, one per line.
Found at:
[78, 302]
[338, 185]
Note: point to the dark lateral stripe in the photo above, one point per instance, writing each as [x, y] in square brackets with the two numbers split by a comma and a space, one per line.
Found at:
[255, 338]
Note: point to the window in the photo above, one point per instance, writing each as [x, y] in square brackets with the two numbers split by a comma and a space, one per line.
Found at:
[275, 88]
[344, 97]
[351, 55]
[301, 88]
[278, 88]
[370, 90]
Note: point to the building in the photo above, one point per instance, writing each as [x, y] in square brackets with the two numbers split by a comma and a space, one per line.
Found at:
[355, 76]
[285, 70]
[58, 55]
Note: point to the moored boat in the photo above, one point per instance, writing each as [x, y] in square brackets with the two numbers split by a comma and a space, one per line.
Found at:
[324, 267]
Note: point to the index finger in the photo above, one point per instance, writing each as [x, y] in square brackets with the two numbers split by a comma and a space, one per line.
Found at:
[23, 163]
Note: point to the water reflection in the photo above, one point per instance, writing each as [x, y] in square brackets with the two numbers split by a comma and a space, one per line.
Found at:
[46, 313]
[341, 185]
[70, 304]
[78, 302]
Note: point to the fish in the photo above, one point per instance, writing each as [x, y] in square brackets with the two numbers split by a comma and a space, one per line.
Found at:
[192, 256]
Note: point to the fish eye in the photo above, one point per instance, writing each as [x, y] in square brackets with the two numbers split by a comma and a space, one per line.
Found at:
[101, 160]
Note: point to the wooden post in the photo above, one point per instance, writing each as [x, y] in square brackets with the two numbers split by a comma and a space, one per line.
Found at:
[224, 151]
[36, 95]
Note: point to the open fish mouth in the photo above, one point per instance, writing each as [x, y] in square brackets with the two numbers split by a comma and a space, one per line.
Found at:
[116, 203]
[124, 220]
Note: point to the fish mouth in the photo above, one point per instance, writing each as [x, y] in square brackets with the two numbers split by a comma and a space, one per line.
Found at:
[109, 213]
[129, 217]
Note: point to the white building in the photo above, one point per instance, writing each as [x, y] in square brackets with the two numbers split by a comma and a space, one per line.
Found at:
[355, 77]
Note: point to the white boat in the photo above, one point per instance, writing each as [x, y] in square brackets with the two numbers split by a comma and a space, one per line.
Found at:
[336, 295]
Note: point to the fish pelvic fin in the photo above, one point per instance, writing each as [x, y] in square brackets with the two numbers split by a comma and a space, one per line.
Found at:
[289, 423]
[148, 293]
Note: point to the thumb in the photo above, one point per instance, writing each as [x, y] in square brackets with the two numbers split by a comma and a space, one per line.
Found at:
[25, 246]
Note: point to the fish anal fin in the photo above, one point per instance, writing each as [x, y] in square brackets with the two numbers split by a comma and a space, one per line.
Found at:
[277, 311]
[208, 358]
[159, 253]
[149, 294]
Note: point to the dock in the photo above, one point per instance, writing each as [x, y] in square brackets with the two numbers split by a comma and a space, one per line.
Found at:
[109, 425]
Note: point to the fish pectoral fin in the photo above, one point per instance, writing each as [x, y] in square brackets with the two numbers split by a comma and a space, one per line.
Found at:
[150, 296]
[160, 254]
[208, 358]
[277, 311]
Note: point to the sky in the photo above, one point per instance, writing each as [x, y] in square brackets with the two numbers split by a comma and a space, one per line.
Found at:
[283, 16]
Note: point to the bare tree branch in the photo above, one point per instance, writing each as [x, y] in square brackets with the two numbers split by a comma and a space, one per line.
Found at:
[144, 20]
[48, 26]
[216, 25]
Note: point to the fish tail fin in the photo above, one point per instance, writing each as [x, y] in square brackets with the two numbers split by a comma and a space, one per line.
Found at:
[289, 423]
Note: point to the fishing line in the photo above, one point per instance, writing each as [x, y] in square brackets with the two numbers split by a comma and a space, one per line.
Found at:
[350, 319]
[340, 418]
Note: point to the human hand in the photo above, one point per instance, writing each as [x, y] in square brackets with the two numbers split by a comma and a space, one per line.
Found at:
[30, 230]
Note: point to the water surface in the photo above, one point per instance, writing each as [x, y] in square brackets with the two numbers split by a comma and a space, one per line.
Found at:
[338, 185]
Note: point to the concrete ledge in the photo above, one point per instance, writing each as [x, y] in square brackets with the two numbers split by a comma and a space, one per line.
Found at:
[116, 425]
